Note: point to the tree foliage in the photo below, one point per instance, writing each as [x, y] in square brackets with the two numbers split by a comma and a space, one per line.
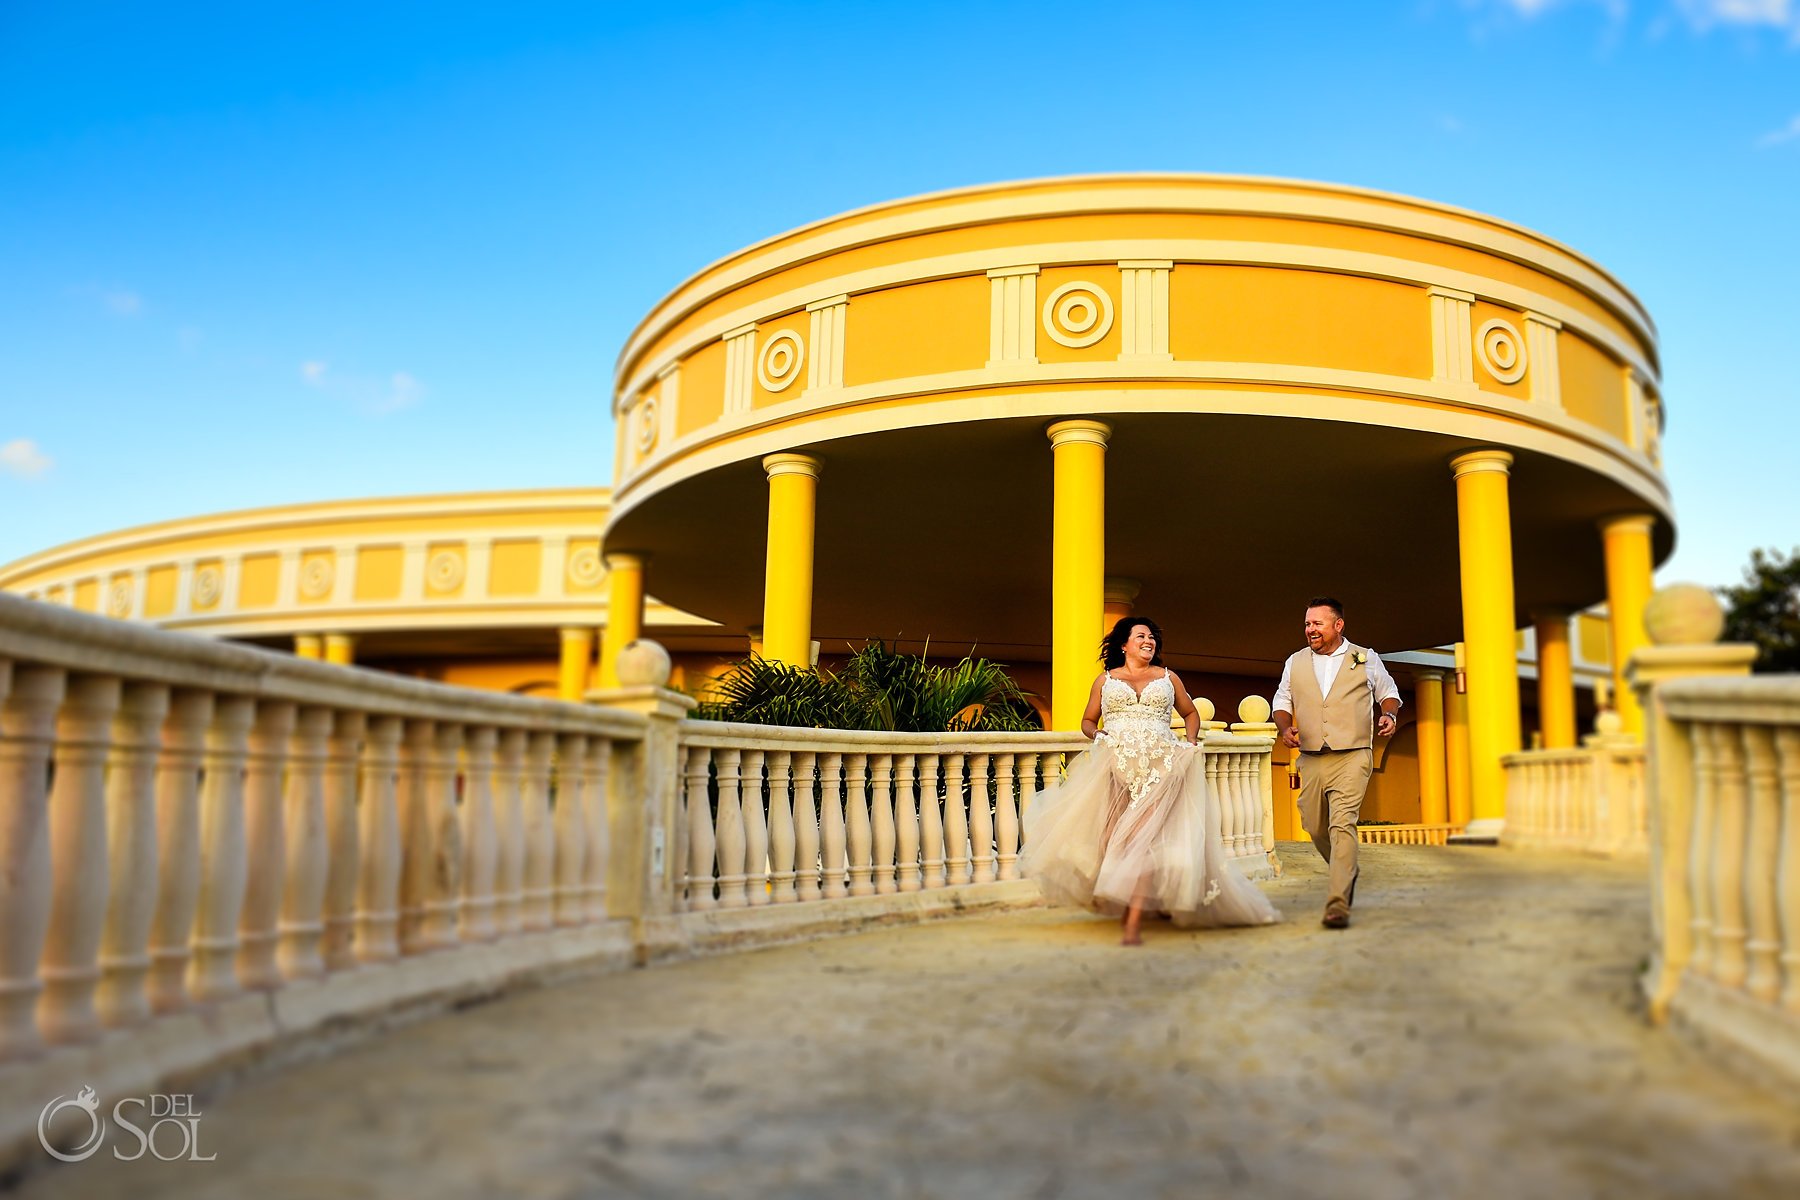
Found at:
[1765, 609]
[878, 688]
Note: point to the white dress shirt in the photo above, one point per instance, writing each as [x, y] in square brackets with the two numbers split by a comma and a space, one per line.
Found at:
[1325, 669]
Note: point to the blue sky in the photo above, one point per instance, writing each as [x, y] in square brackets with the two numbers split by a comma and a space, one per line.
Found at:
[259, 254]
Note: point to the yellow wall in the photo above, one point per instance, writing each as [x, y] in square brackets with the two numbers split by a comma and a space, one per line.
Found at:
[259, 582]
[702, 389]
[923, 329]
[1262, 314]
[1593, 638]
[159, 591]
[1591, 386]
[378, 571]
[515, 568]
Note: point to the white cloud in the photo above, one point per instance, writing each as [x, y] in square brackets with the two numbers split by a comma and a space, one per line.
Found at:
[374, 396]
[21, 457]
[1785, 134]
[1706, 13]
[403, 392]
[121, 302]
[313, 371]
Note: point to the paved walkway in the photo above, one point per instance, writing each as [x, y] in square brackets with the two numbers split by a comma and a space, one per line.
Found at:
[1477, 1033]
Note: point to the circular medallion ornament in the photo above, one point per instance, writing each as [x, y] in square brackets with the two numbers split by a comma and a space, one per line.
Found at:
[779, 363]
[1502, 350]
[649, 416]
[118, 598]
[1078, 314]
[444, 573]
[585, 568]
[316, 578]
[207, 585]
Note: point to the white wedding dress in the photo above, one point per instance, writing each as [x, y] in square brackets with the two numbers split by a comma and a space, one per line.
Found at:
[1131, 818]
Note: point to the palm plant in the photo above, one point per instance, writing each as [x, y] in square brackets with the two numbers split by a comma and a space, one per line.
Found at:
[878, 688]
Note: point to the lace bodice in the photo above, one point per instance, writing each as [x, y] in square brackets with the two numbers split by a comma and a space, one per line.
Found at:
[1136, 727]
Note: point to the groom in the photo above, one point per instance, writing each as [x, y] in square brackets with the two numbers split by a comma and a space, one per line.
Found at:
[1326, 709]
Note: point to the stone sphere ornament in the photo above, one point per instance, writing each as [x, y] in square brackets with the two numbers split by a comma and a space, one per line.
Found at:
[1253, 710]
[644, 663]
[1684, 614]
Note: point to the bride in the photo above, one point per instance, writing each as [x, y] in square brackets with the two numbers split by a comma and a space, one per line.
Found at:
[1131, 827]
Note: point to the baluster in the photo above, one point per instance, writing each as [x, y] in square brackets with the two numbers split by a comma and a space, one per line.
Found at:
[1214, 765]
[1700, 850]
[1729, 963]
[378, 830]
[341, 850]
[730, 828]
[906, 823]
[700, 830]
[177, 847]
[756, 831]
[931, 821]
[781, 827]
[301, 922]
[265, 856]
[540, 836]
[509, 829]
[956, 821]
[1006, 816]
[981, 819]
[1787, 748]
[571, 830]
[27, 732]
[599, 844]
[415, 833]
[806, 827]
[70, 967]
[443, 881]
[122, 998]
[881, 822]
[831, 823]
[856, 822]
[1763, 974]
[1249, 837]
[223, 864]
[479, 838]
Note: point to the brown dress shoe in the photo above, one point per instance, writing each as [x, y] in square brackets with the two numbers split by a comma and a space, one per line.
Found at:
[1337, 916]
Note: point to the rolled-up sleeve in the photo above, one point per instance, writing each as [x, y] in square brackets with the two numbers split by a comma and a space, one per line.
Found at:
[1284, 691]
[1383, 683]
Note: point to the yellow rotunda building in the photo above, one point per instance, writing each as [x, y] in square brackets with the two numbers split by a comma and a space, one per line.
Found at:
[999, 417]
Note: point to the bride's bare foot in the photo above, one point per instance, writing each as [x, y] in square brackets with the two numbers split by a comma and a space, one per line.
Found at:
[1133, 916]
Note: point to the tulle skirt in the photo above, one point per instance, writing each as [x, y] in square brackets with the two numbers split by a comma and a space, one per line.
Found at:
[1088, 846]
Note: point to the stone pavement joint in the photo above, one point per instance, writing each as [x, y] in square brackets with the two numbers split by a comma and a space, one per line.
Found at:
[1477, 1032]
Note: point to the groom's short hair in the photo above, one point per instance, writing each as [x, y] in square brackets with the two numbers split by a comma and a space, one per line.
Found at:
[1327, 602]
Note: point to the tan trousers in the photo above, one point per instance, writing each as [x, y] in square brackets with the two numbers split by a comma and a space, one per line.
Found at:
[1332, 784]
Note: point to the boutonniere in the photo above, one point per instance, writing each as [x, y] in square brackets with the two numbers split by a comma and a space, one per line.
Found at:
[1358, 658]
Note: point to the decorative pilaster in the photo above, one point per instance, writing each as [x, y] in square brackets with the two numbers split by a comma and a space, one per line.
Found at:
[1144, 310]
[480, 557]
[412, 571]
[1452, 349]
[740, 369]
[287, 580]
[343, 575]
[1012, 336]
[1540, 352]
[825, 363]
[553, 566]
[668, 403]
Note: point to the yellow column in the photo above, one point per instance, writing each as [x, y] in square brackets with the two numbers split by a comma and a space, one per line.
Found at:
[788, 576]
[1456, 756]
[340, 648]
[1484, 535]
[624, 611]
[577, 653]
[1078, 565]
[1120, 595]
[1556, 679]
[1628, 582]
[308, 645]
[1428, 717]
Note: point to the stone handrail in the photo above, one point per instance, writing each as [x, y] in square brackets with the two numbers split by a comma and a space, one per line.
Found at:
[189, 828]
[1726, 864]
[1589, 799]
[779, 816]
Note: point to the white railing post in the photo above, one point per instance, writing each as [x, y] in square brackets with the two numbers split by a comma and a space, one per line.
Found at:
[223, 867]
[730, 842]
[509, 830]
[856, 821]
[540, 835]
[124, 998]
[906, 822]
[302, 922]
[1006, 817]
[781, 827]
[833, 837]
[570, 861]
[881, 822]
[598, 839]
[70, 968]
[700, 830]
[177, 847]
[443, 880]
[265, 858]
[957, 853]
[806, 827]
[27, 732]
[480, 837]
[756, 831]
[981, 819]
[378, 877]
[1763, 841]
[931, 822]
[343, 853]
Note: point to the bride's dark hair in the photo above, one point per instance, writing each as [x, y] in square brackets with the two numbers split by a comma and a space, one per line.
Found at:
[1112, 646]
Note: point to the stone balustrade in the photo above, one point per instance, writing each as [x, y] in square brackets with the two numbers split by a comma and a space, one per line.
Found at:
[1406, 835]
[1726, 865]
[1590, 799]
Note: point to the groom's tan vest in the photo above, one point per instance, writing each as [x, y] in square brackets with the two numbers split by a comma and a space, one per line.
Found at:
[1343, 720]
